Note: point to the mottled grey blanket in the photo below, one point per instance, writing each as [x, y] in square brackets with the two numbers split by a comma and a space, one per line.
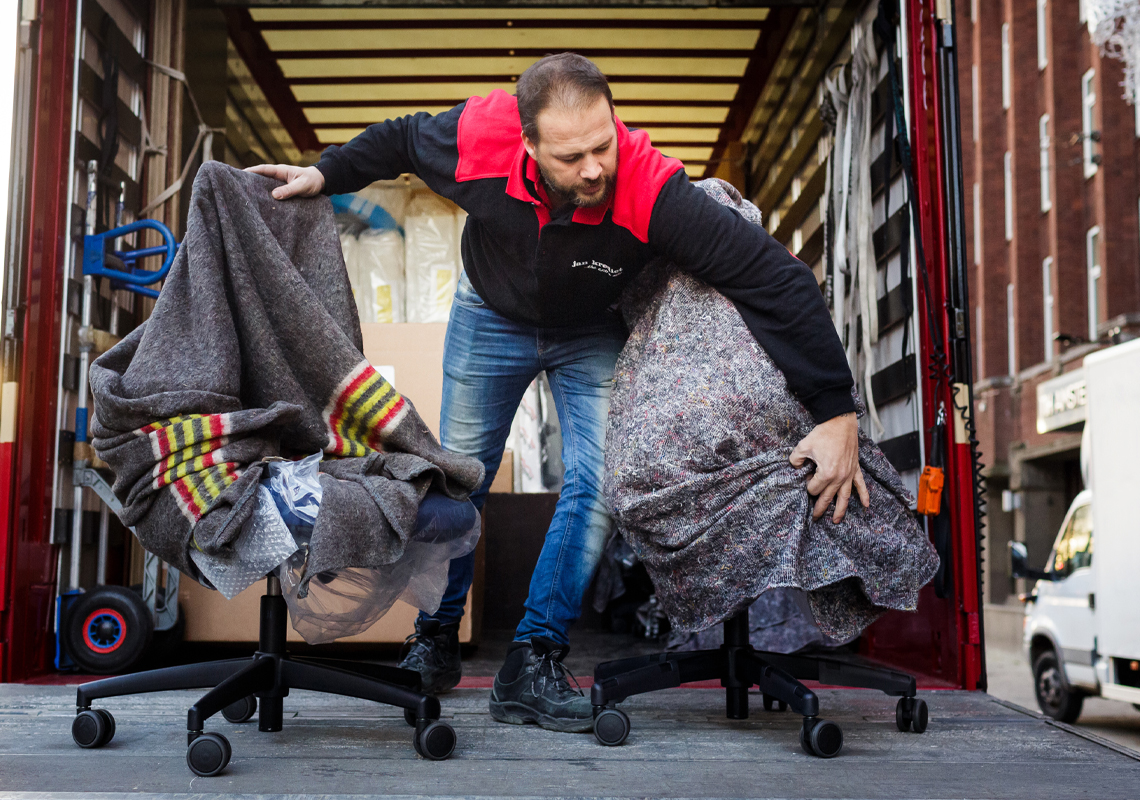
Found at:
[697, 475]
[254, 350]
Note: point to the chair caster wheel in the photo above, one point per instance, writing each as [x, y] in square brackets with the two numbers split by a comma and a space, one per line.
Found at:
[920, 718]
[611, 726]
[770, 702]
[435, 741]
[820, 737]
[208, 754]
[911, 714]
[410, 717]
[241, 711]
[93, 728]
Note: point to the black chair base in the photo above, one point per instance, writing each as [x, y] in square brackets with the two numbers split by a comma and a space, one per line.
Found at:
[739, 667]
[267, 676]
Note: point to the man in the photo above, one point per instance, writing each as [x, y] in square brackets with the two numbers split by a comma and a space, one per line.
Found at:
[565, 205]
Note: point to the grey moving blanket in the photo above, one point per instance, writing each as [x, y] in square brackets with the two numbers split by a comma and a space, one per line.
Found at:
[253, 350]
[697, 474]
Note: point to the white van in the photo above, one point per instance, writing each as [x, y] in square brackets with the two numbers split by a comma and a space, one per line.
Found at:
[1082, 617]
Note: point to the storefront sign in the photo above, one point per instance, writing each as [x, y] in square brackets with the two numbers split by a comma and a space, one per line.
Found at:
[1062, 403]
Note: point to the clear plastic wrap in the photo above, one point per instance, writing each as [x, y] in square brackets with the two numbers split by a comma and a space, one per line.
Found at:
[380, 270]
[431, 257]
[264, 542]
[295, 487]
[350, 601]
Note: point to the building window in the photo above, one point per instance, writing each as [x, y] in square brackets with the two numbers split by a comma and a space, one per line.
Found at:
[1047, 293]
[977, 223]
[1092, 245]
[1005, 76]
[1088, 104]
[976, 91]
[1042, 54]
[1008, 169]
[1043, 132]
[1010, 329]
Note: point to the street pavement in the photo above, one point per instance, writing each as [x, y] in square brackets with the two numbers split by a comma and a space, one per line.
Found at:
[1010, 679]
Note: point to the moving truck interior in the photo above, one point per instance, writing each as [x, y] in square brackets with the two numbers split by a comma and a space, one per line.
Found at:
[737, 91]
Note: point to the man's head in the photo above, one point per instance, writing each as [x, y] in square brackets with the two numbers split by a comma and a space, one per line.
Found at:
[567, 115]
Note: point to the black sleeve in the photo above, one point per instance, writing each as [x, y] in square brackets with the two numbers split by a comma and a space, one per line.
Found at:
[776, 293]
[422, 144]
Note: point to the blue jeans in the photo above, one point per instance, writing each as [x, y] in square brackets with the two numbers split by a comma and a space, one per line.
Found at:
[488, 363]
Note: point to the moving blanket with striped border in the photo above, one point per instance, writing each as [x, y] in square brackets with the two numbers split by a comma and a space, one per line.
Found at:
[253, 351]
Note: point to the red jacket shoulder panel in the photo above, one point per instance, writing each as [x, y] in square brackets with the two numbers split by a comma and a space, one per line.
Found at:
[489, 137]
[642, 171]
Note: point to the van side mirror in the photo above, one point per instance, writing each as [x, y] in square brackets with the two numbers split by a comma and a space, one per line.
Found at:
[1019, 564]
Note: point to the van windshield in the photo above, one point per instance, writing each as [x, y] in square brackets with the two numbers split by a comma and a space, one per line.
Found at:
[1074, 546]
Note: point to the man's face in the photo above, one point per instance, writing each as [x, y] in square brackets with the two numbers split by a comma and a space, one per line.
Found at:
[577, 153]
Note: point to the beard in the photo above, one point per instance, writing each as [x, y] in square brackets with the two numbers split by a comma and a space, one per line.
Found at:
[586, 194]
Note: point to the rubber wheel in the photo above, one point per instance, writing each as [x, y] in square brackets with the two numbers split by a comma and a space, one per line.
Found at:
[436, 741]
[90, 729]
[1054, 698]
[410, 717]
[110, 723]
[920, 717]
[804, 741]
[108, 630]
[826, 739]
[611, 726]
[904, 713]
[241, 711]
[771, 703]
[208, 754]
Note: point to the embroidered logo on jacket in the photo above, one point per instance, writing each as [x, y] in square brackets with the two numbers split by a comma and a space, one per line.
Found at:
[598, 266]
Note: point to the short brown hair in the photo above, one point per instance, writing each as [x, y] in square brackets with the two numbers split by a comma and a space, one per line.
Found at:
[567, 80]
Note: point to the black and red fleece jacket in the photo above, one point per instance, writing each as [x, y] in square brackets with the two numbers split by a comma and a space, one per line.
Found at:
[568, 266]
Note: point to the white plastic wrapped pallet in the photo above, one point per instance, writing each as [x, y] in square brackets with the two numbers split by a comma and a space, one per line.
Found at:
[431, 257]
[348, 245]
[379, 258]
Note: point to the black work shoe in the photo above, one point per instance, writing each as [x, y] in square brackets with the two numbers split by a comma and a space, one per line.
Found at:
[532, 686]
[434, 654]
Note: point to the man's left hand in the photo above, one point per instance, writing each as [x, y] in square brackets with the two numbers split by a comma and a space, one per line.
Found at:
[833, 447]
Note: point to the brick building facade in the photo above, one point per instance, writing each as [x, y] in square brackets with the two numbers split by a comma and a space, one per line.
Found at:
[1050, 155]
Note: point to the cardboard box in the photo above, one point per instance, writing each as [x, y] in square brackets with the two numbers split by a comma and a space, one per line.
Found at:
[411, 356]
[504, 482]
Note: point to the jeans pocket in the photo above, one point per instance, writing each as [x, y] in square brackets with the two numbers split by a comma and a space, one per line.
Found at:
[465, 293]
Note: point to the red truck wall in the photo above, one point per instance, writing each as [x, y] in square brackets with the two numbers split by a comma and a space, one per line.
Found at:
[27, 559]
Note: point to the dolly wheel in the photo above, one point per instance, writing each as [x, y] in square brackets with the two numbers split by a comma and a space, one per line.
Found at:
[208, 754]
[435, 741]
[92, 729]
[410, 717]
[820, 737]
[241, 711]
[611, 726]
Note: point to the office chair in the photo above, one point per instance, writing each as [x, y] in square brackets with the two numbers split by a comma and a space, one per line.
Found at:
[739, 666]
[258, 685]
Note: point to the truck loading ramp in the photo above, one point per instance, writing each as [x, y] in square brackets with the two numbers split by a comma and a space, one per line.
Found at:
[681, 746]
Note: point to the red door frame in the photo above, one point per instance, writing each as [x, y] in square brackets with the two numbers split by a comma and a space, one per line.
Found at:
[944, 639]
[27, 558]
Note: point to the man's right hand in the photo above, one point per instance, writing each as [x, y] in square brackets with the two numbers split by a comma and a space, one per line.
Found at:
[299, 181]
